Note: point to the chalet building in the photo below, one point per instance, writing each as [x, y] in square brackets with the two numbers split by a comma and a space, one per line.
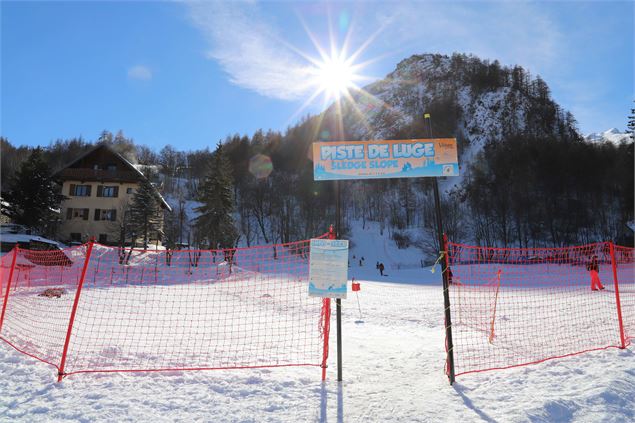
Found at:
[98, 187]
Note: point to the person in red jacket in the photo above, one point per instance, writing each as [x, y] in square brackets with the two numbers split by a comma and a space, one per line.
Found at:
[593, 268]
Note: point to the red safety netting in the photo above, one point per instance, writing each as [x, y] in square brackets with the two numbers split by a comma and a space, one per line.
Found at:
[625, 271]
[103, 309]
[513, 306]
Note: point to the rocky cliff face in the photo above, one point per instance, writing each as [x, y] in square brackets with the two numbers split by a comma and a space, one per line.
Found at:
[474, 100]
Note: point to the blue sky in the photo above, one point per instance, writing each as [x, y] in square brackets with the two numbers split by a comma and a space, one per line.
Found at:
[189, 74]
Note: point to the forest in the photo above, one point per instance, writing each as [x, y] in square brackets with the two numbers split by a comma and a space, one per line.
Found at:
[536, 182]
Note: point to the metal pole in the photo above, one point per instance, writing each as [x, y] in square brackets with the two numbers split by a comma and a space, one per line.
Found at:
[444, 273]
[338, 301]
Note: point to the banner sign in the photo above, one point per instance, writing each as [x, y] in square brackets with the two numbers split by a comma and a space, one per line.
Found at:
[384, 159]
[328, 268]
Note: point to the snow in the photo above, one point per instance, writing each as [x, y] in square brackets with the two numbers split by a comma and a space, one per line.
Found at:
[401, 265]
[393, 355]
[612, 135]
[12, 238]
[393, 371]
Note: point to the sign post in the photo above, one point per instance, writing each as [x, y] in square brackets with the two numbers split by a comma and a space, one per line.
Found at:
[381, 159]
[328, 276]
[384, 159]
[444, 273]
[328, 268]
[338, 302]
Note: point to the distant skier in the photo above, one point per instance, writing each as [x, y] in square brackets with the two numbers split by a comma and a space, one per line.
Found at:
[593, 268]
[381, 269]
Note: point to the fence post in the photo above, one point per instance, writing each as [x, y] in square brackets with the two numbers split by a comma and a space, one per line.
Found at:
[60, 374]
[617, 297]
[6, 294]
[326, 328]
[446, 304]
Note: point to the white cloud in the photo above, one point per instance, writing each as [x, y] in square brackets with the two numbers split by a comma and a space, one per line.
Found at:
[140, 72]
[250, 50]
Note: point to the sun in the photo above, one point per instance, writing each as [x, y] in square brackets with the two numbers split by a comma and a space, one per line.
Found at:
[335, 76]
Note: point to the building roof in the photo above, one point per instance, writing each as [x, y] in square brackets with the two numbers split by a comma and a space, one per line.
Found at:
[132, 174]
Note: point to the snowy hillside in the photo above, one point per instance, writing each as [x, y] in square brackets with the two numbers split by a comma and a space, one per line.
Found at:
[612, 135]
[473, 100]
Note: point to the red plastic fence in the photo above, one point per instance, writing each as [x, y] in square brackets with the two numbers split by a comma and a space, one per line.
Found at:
[512, 307]
[625, 273]
[94, 308]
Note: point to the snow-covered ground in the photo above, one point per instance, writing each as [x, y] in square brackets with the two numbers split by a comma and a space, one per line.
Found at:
[393, 355]
[393, 371]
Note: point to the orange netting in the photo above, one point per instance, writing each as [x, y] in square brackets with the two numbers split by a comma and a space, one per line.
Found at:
[95, 308]
[515, 306]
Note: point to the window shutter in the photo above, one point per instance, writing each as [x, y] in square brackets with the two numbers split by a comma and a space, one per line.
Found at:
[85, 212]
[114, 213]
[100, 190]
[89, 187]
[96, 214]
[71, 190]
[69, 213]
[116, 192]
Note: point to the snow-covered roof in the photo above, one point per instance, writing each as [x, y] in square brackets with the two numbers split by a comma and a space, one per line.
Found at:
[25, 238]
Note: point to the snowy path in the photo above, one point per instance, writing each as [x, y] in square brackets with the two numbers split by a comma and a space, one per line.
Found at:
[393, 371]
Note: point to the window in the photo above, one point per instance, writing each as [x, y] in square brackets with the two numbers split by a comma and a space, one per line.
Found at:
[80, 213]
[111, 168]
[103, 238]
[110, 215]
[129, 190]
[107, 191]
[76, 214]
[79, 190]
[76, 237]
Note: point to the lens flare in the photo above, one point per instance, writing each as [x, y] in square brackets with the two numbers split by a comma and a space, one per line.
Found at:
[336, 73]
[260, 166]
[335, 77]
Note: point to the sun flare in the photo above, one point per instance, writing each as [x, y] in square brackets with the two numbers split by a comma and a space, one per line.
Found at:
[336, 74]
[335, 77]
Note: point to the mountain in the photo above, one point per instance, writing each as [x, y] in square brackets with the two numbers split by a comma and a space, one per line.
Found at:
[476, 101]
[612, 135]
[527, 176]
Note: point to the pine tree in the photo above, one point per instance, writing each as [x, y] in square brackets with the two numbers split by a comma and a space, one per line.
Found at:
[215, 223]
[34, 197]
[145, 211]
